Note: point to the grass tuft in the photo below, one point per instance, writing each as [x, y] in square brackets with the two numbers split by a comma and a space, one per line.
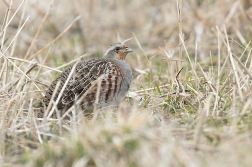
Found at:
[190, 102]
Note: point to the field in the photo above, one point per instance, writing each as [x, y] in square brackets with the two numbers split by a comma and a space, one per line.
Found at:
[190, 103]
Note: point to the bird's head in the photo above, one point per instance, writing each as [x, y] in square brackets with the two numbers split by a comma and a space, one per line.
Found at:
[118, 51]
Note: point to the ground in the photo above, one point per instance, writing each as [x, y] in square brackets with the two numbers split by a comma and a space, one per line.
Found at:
[190, 102]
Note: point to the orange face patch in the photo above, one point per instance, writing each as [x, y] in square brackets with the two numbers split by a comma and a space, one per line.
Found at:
[122, 55]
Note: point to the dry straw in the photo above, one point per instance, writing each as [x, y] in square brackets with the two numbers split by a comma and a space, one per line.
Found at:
[198, 116]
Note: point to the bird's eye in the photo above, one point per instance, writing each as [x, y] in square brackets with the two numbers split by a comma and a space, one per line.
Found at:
[117, 49]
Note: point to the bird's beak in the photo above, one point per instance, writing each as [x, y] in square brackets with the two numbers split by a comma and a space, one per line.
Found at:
[128, 50]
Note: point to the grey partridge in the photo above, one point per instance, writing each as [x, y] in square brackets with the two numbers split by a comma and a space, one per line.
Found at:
[114, 74]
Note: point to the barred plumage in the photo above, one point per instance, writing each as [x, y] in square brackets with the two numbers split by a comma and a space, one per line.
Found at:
[115, 82]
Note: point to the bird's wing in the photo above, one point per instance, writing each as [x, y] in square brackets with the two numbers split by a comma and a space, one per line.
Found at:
[87, 73]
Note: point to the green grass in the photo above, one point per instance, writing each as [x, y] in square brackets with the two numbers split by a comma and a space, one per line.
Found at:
[202, 117]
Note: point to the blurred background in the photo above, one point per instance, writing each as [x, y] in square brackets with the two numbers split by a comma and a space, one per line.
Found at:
[154, 23]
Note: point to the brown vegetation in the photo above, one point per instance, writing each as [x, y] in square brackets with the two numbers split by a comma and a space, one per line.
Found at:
[201, 116]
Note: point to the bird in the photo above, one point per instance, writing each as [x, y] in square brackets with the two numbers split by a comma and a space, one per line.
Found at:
[110, 77]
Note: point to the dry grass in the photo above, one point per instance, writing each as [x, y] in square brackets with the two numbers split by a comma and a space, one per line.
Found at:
[201, 116]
